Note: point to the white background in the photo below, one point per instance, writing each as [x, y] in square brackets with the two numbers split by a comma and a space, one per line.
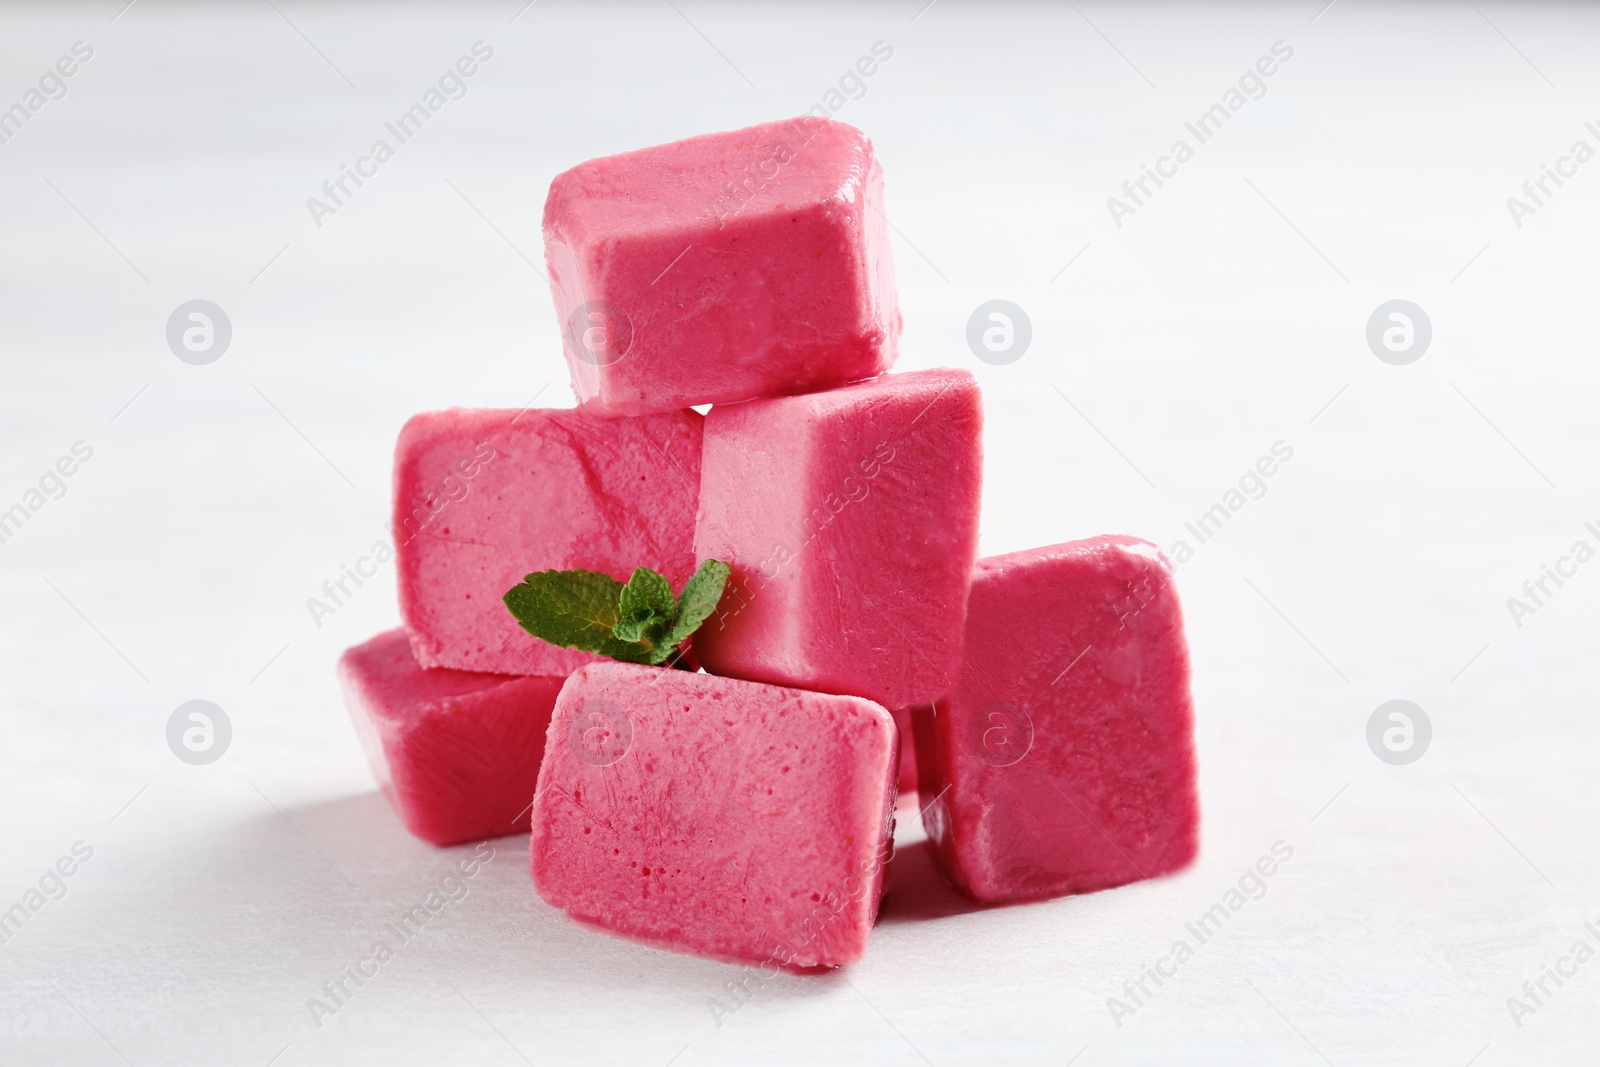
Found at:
[1226, 314]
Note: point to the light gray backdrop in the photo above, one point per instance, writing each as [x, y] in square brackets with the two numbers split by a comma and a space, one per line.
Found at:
[1175, 340]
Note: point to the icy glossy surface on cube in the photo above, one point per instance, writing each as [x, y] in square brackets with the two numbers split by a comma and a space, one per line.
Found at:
[1064, 760]
[724, 818]
[723, 267]
[851, 521]
[456, 752]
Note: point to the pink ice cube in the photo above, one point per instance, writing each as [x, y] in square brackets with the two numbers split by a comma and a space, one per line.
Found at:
[457, 753]
[851, 521]
[1064, 760]
[908, 751]
[485, 497]
[724, 818]
[724, 267]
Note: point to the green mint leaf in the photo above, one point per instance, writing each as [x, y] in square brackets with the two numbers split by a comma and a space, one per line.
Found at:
[636, 622]
[646, 599]
[631, 630]
[698, 600]
[646, 609]
[574, 609]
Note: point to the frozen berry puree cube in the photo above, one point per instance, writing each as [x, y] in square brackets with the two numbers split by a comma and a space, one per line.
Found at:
[1063, 762]
[724, 267]
[908, 751]
[457, 753]
[724, 818]
[851, 520]
[485, 497]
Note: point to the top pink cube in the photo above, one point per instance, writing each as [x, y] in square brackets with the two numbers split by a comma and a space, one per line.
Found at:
[722, 268]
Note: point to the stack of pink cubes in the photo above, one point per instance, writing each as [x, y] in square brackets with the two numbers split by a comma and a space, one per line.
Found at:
[745, 810]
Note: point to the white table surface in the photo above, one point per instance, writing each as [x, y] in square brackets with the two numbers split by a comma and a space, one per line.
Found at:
[1226, 314]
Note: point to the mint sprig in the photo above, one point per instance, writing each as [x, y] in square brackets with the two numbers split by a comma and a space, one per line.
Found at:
[636, 622]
